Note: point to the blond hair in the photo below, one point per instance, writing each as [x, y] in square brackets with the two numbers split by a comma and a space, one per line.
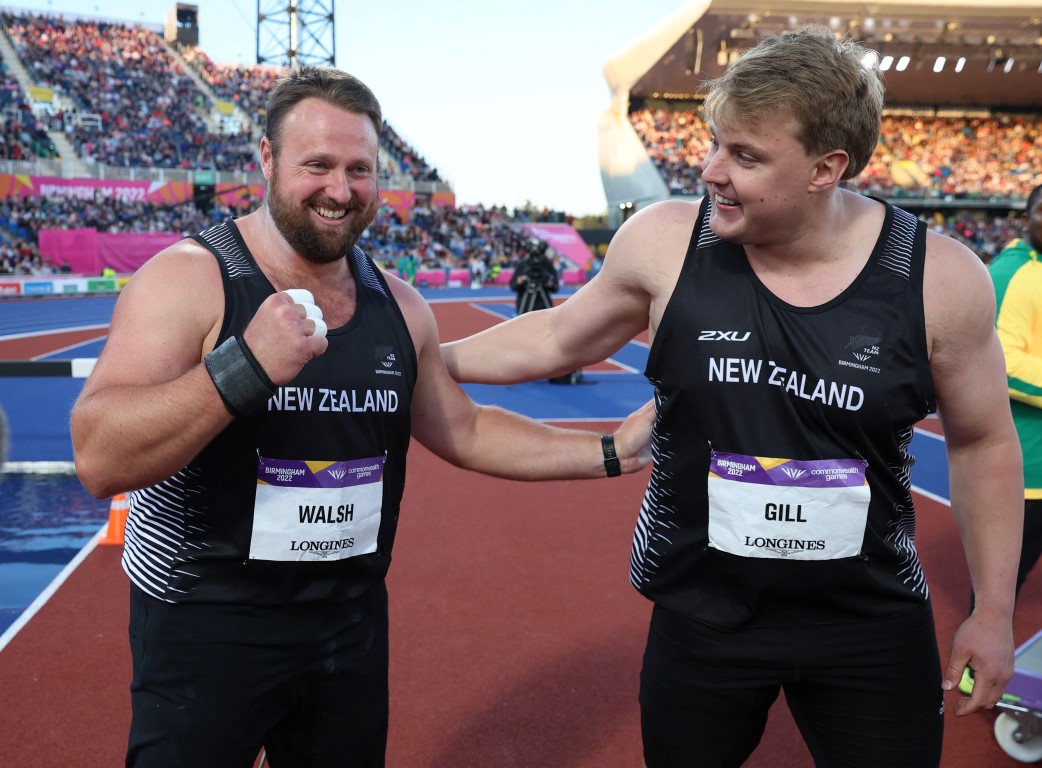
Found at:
[831, 85]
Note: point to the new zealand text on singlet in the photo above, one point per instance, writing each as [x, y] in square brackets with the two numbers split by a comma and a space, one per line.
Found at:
[741, 370]
[323, 399]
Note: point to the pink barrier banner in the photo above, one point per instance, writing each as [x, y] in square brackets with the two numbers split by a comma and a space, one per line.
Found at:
[437, 278]
[78, 247]
[125, 252]
[12, 185]
[88, 252]
[564, 239]
[568, 277]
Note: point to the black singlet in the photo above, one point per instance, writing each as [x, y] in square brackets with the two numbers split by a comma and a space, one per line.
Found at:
[189, 538]
[743, 374]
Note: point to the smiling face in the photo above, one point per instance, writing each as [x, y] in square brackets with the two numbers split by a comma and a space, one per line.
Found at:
[323, 190]
[759, 178]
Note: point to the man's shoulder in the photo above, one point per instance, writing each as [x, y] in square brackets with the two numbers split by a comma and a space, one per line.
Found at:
[674, 212]
[187, 253]
[404, 294]
[663, 226]
[647, 253]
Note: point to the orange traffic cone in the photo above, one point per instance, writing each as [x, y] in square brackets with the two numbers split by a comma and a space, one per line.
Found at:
[117, 519]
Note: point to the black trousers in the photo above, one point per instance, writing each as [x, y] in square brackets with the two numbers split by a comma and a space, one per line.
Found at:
[1032, 547]
[214, 683]
[866, 694]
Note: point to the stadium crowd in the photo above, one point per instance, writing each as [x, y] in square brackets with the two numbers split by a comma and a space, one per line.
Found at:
[481, 239]
[23, 135]
[124, 98]
[246, 87]
[132, 103]
[241, 86]
[978, 157]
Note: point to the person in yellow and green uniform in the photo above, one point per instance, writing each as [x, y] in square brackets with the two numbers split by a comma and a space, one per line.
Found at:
[1017, 274]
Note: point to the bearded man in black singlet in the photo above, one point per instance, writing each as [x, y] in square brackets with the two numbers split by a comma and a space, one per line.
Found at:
[257, 394]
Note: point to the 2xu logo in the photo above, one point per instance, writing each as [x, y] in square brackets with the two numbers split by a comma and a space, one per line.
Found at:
[722, 336]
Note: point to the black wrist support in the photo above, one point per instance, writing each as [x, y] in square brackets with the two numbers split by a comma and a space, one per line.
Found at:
[611, 460]
[240, 380]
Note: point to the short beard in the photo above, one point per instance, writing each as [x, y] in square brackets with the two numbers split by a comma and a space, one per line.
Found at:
[309, 241]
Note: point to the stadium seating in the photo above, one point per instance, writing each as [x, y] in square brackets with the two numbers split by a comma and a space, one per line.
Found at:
[125, 101]
[950, 158]
[945, 157]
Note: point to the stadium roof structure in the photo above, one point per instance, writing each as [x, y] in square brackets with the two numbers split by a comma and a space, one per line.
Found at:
[1000, 40]
[992, 51]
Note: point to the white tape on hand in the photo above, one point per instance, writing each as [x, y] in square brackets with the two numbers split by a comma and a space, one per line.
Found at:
[314, 312]
[300, 295]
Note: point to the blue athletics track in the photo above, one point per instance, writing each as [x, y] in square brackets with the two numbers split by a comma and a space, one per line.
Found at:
[516, 639]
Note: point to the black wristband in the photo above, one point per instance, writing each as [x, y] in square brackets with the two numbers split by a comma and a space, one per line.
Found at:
[240, 380]
[611, 460]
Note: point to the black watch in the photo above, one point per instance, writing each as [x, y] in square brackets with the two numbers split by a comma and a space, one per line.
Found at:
[611, 459]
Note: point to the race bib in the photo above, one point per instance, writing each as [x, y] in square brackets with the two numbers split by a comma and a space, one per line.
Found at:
[784, 508]
[316, 510]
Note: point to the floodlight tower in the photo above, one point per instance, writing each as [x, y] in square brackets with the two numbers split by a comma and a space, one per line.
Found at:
[292, 33]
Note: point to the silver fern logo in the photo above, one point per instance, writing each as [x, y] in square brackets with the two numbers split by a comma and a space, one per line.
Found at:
[385, 356]
[387, 361]
[862, 347]
[863, 342]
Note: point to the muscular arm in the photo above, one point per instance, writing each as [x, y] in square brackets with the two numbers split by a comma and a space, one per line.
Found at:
[150, 406]
[984, 460]
[495, 441]
[623, 299]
